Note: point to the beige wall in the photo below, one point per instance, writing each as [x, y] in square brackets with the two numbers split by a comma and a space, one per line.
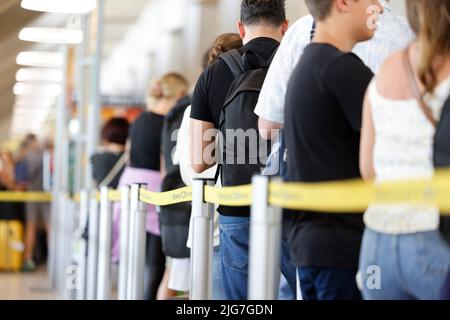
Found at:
[176, 33]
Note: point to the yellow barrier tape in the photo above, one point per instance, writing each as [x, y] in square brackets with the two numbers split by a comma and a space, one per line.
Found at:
[350, 196]
[166, 198]
[433, 192]
[340, 196]
[355, 196]
[15, 196]
[114, 195]
[229, 196]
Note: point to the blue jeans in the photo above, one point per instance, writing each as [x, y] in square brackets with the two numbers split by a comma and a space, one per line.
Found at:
[328, 284]
[288, 287]
[217, 288]
[403, 267]
[234, 246]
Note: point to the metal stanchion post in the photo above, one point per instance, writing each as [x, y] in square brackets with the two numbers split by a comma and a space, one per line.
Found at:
[124, 242]
[130, 262]
[265, 244]
[62, 247]
[138, 234]
[92, 260]
[202, 243]
[82, 254]
[104, 246]
[70, 289]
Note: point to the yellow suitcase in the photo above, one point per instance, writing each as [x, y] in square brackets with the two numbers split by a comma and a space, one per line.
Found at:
[11, 245]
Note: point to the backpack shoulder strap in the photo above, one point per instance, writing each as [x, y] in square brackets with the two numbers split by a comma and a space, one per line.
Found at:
[269, 62]
[233, 59]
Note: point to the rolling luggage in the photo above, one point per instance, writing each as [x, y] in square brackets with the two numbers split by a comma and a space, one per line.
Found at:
[11, 245]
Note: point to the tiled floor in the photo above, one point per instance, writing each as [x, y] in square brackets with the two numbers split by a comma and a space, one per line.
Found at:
[26, 286]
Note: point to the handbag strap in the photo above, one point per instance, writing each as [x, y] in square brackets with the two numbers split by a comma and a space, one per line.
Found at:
[115, 170]
[415, 87]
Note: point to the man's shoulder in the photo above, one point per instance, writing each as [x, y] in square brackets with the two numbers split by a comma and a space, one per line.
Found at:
[300, 25]
[299, 33]
[339, 63]
[217, 73]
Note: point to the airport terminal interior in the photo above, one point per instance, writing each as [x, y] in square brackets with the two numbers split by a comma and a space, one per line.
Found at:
[98, 100]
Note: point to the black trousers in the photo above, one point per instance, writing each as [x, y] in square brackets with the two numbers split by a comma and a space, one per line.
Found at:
[155, 264]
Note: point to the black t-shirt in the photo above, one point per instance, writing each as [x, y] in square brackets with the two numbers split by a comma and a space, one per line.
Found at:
[211, 91]
[145, 135]
[102, 164]
[322, 130]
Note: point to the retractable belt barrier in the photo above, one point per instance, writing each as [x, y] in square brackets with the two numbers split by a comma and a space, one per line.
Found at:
[340, 196]
[18, 196]
[266, 198]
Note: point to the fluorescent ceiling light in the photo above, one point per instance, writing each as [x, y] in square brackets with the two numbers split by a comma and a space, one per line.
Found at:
[40, 59]
[46, 90]
[19, 121]
[39, 75]
[31, 108]
[51, 35]
[60, 6]
[27, 100]
[27, 125]
[31, 122]
[32, 112]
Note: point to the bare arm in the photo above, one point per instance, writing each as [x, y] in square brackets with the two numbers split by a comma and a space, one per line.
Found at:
[202, 145]
[268, 130]
[367, 143]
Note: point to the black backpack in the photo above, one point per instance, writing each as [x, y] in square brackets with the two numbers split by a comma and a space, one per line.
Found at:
[174, 219]
[240, 160]
[442, 156]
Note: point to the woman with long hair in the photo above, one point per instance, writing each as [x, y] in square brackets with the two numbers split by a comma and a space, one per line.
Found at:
[403, 254]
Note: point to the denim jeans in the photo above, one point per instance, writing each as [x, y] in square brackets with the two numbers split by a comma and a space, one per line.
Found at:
[328, 283]
[217, 288]
[403, 267]
[288, 287]
[234, 246]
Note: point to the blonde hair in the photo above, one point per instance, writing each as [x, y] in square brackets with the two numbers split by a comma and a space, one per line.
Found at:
[169, 86]
[430, 20]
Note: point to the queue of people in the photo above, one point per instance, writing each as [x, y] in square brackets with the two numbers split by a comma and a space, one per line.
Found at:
[349, 91]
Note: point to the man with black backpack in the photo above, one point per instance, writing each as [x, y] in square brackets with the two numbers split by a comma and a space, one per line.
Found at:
[224, 99]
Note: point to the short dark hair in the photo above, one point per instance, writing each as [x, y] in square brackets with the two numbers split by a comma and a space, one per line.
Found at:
[116, 131]
[319, 9]
[263, 12]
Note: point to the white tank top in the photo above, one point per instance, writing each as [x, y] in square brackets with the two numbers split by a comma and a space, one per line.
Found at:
[404, 150]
